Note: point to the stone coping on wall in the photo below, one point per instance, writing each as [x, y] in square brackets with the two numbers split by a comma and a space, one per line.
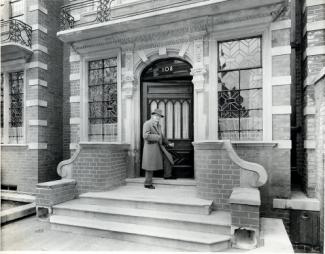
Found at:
[245, 196]
[109, 145]
[298, 201]
[56, 184]
[254, 144]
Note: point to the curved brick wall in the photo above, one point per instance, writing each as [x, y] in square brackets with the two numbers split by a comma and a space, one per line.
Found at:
[215, 174]
[100, 167]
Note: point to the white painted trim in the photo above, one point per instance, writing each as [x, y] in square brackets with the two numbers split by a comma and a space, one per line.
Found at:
[283, 24]
[74, 58]
[36, 82]
[74, 99]
[281, 80]
[40, 48]
[75, 120]
[281, 110]
[284, 144]
[37, 122]
[37, 146]
[142, 56]
[36, 7]
[39, 27]
[74, 76]
[309, 144]
[37, 64]
[309, 110]
[313, 51]
[40, 103]
[73, 146]
[283, 50]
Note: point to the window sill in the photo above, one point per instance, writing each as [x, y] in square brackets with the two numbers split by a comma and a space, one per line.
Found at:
[13, 145]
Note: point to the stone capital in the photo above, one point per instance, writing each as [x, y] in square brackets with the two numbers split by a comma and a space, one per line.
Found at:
[198, 73]
[128, 84]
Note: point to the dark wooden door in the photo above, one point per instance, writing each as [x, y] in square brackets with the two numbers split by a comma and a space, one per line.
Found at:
[175, 99]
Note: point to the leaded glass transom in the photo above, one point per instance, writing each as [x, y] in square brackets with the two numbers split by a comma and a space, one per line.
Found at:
[240, 89]
[102, 97]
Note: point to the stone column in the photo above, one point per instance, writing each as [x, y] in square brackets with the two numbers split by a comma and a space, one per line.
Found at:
[199, 71]
[127, 95]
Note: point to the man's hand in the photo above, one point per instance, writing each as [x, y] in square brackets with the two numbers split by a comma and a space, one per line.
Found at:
[171, 144]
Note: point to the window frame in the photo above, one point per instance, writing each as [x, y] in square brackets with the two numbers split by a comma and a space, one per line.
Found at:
[15, 66]
[243, 30]
[239, 69]
[84, 103]
[9, 16]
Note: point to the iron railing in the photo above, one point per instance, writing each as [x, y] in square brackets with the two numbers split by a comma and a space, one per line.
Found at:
[14, 30]
[102, 9]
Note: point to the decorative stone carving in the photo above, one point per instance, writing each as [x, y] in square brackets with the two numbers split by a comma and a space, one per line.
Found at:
[127, 84]
[198, 73]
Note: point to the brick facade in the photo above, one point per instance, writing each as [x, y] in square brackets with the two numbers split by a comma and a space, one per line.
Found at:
[36, 161]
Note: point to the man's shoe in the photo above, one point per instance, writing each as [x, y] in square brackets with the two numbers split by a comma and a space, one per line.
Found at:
[170, 177]
[149, 186]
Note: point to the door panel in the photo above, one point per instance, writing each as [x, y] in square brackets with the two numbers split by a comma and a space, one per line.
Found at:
[175, 99]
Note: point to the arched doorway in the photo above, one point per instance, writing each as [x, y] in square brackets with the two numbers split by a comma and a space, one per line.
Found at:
[166, 84]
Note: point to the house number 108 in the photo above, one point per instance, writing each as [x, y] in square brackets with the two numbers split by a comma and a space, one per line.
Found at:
[167, 69]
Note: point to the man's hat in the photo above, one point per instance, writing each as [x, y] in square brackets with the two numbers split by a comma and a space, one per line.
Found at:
[158, 112]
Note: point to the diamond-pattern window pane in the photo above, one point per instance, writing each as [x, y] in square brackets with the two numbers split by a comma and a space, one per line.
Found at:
[102, 97]
[240, 54]
[16, 94]
[240, 96]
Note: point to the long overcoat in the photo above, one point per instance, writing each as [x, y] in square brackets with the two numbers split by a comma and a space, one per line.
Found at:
[152, 157]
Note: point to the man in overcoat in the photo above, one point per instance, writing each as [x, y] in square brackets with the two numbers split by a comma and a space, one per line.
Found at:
[155, 156]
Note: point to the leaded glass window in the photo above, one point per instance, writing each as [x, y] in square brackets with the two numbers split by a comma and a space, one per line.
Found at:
[240, 83]
[16, 92]
[102, 97]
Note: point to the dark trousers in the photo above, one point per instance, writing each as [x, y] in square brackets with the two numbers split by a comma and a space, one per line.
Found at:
[167, 172]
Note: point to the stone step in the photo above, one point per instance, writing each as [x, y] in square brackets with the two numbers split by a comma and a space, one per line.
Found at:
[162, 182]
[217, 222]
[178, 239]
[160, 200]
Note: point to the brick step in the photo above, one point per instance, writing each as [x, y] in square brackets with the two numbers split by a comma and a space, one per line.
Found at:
[161, 199]
[216, 222]
[174, 238]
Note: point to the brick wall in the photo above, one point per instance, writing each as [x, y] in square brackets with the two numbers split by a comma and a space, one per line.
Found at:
[314, 61]
[100, 167]
[215, 175]
[19, 167]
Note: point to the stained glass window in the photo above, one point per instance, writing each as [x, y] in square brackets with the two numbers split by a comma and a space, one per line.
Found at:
[240, 89]
[16, 86]
[102, 93]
